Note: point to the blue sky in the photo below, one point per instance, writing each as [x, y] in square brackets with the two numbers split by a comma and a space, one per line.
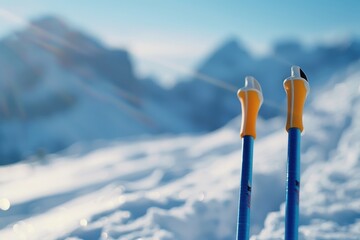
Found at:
[181, 33]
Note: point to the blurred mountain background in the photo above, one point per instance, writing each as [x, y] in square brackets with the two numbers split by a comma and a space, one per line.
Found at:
[60, 85]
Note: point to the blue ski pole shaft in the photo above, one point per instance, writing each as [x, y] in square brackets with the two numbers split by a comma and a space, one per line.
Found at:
[245, 189]
[251, 98]
[293, 185]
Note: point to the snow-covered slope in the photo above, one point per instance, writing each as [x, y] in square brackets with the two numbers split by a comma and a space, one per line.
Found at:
[186, 187]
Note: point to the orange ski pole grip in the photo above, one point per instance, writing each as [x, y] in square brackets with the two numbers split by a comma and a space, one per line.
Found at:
[251, 98]
[297, 88]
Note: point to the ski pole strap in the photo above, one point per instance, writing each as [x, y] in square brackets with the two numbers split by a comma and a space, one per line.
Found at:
[251, 98]
[297, 88]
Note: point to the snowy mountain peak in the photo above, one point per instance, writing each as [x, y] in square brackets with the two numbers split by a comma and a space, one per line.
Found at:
[231, 46]
[51, 23]
[54, 32]
[228, 56]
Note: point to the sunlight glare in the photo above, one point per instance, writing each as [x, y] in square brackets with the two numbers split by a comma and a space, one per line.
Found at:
[5, 204]
[104, 235]
[83, 222]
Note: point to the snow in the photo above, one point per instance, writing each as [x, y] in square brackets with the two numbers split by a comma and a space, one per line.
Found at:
[186, 186]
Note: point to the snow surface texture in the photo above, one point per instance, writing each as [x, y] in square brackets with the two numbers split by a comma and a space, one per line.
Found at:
[186, 187]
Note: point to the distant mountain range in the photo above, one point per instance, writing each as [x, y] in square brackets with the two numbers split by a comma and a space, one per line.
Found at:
[59, 86]
[230, 63]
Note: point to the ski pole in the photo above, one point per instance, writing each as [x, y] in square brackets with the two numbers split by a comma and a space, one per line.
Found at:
[251, 98]
[297, 89]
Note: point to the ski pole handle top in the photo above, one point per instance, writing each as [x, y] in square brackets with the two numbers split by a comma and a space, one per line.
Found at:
[251, 98]
[297, 88]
